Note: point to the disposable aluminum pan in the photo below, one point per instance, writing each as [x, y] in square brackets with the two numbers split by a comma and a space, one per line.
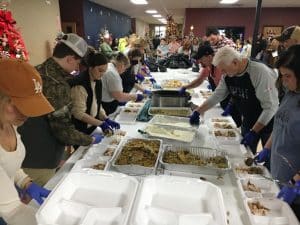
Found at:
[199, 151]
[132, 169]
[170, 111]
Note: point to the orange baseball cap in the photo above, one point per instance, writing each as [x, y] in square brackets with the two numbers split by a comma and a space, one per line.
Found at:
[23, 84]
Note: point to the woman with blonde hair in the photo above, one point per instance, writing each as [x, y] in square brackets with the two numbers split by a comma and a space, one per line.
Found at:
[20, 97]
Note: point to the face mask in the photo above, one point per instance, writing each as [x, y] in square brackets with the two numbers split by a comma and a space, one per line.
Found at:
[134, 62]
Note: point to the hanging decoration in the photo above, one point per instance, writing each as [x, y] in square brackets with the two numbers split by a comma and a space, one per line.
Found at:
[172, 28]
[11, 41]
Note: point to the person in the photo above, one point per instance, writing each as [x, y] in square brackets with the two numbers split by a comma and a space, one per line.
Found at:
[195, 45]
[186, 48]
[86, 97]
[252, 86]
[283, 146]
[105, 47]
[162, 50]
[218, 41]
[173, 45]
[290, 36]
[131, 76]
[205, 56]
[54, 131]
[246, 50]
[155, 42]
[112, 89]
[20, 97]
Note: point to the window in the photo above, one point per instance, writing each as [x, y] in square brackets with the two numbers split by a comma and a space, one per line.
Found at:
[160, 30]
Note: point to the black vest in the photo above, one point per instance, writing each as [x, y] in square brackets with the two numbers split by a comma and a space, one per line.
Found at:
[83, 79]
[128, 80]
[243, 94]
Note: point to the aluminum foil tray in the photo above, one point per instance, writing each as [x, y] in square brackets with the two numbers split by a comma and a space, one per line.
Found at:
[174, 121]
[132, 169]
[205, 153]
[170, 111]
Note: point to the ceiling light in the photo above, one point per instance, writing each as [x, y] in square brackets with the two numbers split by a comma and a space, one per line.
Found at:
[228, 1]
[157, 15]
[151, 11]
[139, 2]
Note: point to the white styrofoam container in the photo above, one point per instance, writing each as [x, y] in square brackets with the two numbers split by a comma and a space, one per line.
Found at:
[84, 164]
[225, 119]
[79, 192]
[126, 118]
[240, 174]
[226, 140]
[267, 188]
[97, 151]
[170, 200]
[280, 212]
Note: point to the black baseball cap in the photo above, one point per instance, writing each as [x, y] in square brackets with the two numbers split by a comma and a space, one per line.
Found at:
[204, 50]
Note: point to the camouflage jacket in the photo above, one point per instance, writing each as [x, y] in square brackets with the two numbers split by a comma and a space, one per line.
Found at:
[58, 93]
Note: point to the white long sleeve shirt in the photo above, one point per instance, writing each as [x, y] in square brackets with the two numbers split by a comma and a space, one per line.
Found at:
[12, 209]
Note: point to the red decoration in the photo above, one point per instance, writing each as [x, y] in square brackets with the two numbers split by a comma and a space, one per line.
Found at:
[11, 42]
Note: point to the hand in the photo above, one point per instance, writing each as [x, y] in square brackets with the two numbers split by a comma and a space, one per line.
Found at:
[288, 193]
[209, 87]
[139, 97]
[37, 192]
[195, 118]
[227, 110]
[105, 127]
[249, 138]
[152, 80]
[97, 138]
[112, 124]
[140, 77]
[147, 92]
[263, 156]
[182, 90]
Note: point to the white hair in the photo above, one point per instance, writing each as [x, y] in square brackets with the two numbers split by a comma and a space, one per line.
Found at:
[226, 55]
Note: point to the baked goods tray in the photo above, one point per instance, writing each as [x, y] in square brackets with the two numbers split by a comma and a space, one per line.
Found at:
[135, 169]
[170, 111]
[173, 121]
[173, 84]
[190, 153]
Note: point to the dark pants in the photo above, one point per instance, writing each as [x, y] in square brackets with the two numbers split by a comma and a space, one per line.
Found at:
[263, 135]
[110, 107]
[296, 208]
[2, 222]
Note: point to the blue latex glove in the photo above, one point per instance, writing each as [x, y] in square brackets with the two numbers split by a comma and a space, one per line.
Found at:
[152, 80]
[182, 91]
[263, 155]
[227, 110]
[147, 92]
[105, 127]
[98, 138]
[140, 77]
[139, 97]
[195, 118]
[112, 124]
[37, 192]
[289, 193]
[209, 87]
[146, 70]
[249, 138]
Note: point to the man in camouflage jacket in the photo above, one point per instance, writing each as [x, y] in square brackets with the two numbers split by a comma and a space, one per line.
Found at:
[45, 137]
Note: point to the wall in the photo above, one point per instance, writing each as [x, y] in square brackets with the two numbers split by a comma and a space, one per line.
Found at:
[97, 17]
[203, 17]
[71, 11]
[141, 27]
[39, 23]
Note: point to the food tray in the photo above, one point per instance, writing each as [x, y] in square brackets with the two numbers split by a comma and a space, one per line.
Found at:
[126, 117]
[80, 193]
[226, 140]
[132, 169]
[226, 120]
[205, 94]
[171, 133]
[280, 213]
[171, 200]
[173, 84]
[199, 151]
[266, 188]
[86, 164]
[243, 174]
[98, 151]
[170, 111]
[171, 121]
